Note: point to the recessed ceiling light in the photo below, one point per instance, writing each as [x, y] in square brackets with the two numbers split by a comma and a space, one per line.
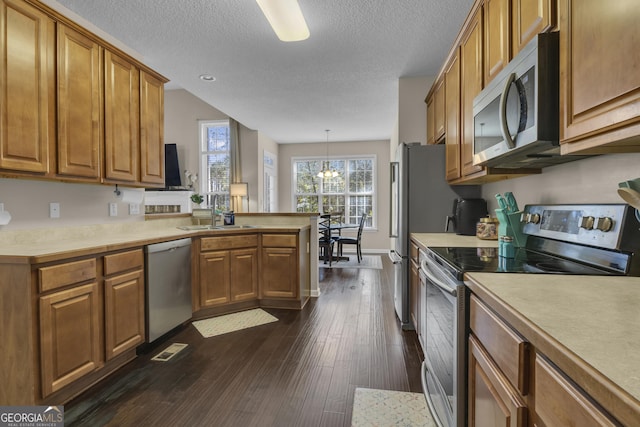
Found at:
[207, 78]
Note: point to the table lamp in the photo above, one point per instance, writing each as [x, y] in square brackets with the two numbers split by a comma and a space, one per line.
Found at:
[239, 190]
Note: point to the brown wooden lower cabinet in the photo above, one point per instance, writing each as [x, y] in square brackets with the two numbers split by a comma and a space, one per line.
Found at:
[279, 272]
[70, 338]
[560, 403]
[510, 384]
[493, 401]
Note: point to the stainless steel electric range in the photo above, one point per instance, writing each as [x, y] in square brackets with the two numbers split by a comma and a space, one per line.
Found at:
[599, 239]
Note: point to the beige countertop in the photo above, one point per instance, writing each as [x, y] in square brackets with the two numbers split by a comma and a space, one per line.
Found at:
[44, 245]
[589, 326]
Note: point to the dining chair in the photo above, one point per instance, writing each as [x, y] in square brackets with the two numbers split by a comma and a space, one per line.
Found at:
[326, 241]
[357, 241]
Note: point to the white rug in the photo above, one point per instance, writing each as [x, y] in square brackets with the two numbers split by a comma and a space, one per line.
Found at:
[368, 261]
[233, 322]
[372, 407]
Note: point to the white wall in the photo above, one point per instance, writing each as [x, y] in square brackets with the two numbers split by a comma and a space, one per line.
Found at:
[80, 204]
[379, 239]
[593, 180]
[412, 110]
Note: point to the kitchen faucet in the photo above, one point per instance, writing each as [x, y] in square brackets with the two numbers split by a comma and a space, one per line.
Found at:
[214, 217]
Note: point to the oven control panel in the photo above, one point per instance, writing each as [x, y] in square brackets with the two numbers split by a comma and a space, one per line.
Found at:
[609, 226]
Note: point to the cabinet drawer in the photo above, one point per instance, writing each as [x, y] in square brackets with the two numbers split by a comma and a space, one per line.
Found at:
[70, 273]
[279, 240]
[560, 403]
[124, 261]
[506, 347]
[229, 242]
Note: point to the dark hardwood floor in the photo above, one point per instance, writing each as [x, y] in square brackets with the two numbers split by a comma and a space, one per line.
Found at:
[300, 371]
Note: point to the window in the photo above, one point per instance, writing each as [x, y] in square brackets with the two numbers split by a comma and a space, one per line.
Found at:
[215, 162]
[351, 191]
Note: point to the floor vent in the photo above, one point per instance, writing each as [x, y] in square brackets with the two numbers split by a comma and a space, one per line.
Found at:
[169, 352]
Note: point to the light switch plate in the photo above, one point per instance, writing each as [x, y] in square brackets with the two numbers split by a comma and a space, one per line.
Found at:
[113, 209]
[134, 209]
[54, 210]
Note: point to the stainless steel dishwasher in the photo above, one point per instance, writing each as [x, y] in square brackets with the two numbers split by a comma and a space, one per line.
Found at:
[168, 285]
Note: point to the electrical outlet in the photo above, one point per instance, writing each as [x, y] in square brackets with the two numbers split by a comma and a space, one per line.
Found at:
[134, 209]
[113, 209]
[54, 210]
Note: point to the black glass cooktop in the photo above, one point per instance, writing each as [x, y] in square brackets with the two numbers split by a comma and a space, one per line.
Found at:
[460, 260]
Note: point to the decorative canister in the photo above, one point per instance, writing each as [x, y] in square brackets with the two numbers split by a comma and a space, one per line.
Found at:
[487, 228]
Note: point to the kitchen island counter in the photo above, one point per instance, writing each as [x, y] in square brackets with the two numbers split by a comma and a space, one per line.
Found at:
[36, 246]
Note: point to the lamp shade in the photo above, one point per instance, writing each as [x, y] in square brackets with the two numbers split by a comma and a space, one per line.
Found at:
[239, 189]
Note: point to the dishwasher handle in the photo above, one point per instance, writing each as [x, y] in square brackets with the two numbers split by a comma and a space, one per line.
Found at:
[168, 246]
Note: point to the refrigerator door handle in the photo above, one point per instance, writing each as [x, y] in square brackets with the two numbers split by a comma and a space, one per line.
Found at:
[394, 257]
[394, 208]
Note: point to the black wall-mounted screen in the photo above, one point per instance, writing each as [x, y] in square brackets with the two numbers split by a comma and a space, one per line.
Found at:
[172, 177]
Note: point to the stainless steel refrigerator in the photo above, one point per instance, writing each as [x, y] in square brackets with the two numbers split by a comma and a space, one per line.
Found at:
[421, 199]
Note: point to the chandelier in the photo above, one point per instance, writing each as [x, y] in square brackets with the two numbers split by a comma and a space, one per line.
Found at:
[325, 172]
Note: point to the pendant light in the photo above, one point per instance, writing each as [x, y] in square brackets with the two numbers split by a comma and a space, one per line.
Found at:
[325, 172]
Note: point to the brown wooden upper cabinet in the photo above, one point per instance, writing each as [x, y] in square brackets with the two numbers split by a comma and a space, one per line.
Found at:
[599, 78]
[79, 105]
[452, 117]
[471, 80]
[85, 111]
[529, 18]
[497, 39]
[436, 113]
[27, 123]
[121, 119]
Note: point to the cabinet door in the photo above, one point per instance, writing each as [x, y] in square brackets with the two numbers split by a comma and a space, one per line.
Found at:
[492, 399]
[599, 62]
[497, 37]
[439, 109]
[279, 272]
[69, 336]
[121, 119]
[27, 87]
[244, 274]
[215, 278]
[124, 312]
[529, 18]
[431, 127]
[151, 130]
[452, 121]
[471, 85]
[559, 403]
[79, 105]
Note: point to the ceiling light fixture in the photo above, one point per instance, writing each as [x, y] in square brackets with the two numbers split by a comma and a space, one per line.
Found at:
[325, 172]
[286, 19]
[207, 78]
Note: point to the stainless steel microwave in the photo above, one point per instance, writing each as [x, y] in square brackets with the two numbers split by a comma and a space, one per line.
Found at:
[516, 118]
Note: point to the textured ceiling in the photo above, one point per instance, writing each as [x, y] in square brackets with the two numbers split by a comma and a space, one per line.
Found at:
[343, 78]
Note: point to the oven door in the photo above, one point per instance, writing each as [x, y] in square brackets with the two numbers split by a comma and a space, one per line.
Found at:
[444, 367]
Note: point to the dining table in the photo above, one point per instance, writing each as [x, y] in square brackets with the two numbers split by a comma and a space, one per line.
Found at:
[328, 231]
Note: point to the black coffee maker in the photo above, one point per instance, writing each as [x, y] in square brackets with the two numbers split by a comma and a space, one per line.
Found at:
[465, 215]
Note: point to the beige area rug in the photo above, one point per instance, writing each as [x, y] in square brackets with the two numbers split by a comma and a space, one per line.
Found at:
[372, 407]
[233, 322]
[368, 261]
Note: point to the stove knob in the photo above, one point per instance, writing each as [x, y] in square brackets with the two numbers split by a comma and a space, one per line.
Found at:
[534, 218]
[604, 224]
[587, 222]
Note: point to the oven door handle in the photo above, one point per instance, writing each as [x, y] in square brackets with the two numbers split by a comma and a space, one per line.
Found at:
[426, 267]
